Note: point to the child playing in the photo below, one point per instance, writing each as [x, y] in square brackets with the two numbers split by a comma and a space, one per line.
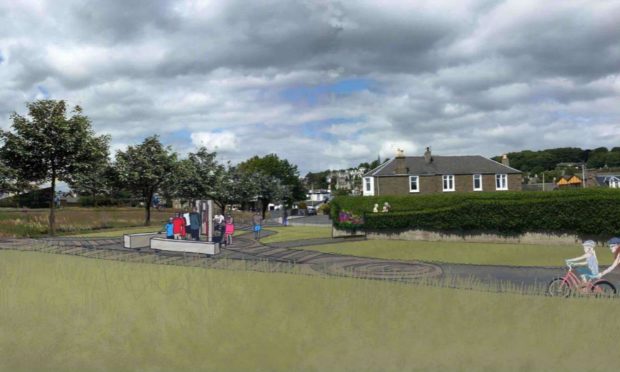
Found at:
[588, 268]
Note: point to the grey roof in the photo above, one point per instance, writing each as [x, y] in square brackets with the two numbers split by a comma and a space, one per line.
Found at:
[444, 165]
[603, 180]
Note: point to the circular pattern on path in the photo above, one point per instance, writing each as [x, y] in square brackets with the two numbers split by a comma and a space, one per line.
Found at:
[376, 269]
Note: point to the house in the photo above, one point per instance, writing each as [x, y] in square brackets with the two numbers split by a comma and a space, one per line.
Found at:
[611, 180]
[412, 175]
[319, 195]
[569, 181]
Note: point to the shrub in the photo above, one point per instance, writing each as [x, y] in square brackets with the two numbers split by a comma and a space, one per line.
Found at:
[585, 212]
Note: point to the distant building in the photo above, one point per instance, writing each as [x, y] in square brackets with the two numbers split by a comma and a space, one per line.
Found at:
[413, 175]
[318, 195]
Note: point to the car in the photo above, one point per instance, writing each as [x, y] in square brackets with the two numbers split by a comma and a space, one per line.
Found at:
[310, 211]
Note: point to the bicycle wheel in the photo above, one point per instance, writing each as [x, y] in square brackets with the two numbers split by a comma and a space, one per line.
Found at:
[603, 288]
[558, 287]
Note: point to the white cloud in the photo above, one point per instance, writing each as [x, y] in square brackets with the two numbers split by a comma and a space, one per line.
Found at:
[467, 77]
[220, 141]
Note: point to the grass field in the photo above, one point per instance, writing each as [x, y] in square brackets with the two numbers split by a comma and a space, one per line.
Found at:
[289, 233]
[70, 313]
[34, 222]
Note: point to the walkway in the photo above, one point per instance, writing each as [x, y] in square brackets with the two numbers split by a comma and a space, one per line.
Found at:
[248, 254]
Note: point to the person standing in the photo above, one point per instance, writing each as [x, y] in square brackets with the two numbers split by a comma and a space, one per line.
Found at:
[169, 229]
[195, 222]
[257, 225]
[179, 226]
[229, 229]
[187, 224]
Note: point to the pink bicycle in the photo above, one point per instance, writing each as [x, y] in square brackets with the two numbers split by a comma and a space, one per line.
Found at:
[571, 284]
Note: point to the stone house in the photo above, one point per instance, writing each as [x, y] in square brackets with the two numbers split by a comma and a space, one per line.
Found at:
[413, 175]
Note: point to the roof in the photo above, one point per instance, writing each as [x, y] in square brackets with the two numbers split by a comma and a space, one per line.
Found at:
[416, 165]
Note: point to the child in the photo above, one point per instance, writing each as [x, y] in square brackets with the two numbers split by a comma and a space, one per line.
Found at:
[169, 228]
[614, 246]
[229, 229]
[588, 268]
[179, 227]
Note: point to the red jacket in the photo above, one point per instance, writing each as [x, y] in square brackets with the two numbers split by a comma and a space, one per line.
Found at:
[179, 225]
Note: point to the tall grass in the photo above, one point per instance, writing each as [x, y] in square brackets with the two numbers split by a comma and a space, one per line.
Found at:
[69, 313]
[34, 222]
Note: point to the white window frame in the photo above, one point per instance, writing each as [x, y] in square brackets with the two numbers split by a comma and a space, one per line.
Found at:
[501, 182]
[479, 177]
[451, 182]
[614, 183]
[369, 186]
[417, 183]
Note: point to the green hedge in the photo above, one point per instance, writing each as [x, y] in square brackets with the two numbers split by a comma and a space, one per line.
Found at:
[584, 212]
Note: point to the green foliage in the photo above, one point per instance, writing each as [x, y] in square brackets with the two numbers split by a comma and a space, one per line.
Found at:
[586, 212]
[47, 146]
[144, 168]
[325, 208]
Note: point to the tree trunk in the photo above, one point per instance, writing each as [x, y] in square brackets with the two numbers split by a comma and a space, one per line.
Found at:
[52, 217]
[263, 205]
[94, 198]
[147, 218]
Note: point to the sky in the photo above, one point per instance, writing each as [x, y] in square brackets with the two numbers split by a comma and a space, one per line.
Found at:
[324, 84]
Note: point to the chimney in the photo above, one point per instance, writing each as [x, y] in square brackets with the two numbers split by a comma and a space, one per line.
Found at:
[505, 160]
[428, 158]
[400, 165]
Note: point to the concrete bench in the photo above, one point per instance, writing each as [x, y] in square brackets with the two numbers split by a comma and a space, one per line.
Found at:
[187, 246]
[137, 241]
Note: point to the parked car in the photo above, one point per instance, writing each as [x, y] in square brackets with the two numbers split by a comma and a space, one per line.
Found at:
[311, 211]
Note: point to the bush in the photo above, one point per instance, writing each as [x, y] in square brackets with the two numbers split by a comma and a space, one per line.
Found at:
[585, 212]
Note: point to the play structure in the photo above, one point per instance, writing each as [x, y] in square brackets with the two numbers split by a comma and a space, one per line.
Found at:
[159, 242]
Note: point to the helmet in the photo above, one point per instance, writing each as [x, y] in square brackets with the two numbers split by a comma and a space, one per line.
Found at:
[589, 244]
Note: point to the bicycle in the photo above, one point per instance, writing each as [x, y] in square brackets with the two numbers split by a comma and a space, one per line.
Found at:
[571, 284]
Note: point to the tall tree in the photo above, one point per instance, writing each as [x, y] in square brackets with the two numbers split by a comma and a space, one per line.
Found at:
[281, 170]
[48, 146]
[196, 176]
[144, 168]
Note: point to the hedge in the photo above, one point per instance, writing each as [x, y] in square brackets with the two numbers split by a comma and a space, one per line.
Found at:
[584, 212]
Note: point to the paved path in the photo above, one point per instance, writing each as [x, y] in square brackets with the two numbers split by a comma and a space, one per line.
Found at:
[248, 254]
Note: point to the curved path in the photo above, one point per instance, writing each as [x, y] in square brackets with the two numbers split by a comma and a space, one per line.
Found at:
[248, 254]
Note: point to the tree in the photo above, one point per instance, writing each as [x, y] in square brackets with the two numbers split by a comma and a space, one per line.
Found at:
[95, 177]
[196, 176]
[143, 169]
[270, 168]
[47, 146]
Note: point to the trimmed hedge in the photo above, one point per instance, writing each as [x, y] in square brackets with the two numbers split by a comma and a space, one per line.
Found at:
[584, 212]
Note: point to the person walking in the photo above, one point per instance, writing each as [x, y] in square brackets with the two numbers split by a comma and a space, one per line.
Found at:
[169, 229]
[257, 222]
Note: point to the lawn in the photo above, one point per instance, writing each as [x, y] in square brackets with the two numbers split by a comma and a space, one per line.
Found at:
[466, 253]
[288, 233]
[72, 313]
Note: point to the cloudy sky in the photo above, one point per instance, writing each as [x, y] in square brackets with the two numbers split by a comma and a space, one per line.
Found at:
[325, 84]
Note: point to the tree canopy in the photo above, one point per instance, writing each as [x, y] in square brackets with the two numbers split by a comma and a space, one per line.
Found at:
[46, 146]
[144, 168]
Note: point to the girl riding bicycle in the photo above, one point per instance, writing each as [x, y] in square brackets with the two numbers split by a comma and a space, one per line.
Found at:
[588, 268]
[614, 246]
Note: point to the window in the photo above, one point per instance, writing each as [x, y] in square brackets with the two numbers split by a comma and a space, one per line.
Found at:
[501, 182]
[448, 183]
[414, 184]
[477, 182]
[369, 188]
[614, 183]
